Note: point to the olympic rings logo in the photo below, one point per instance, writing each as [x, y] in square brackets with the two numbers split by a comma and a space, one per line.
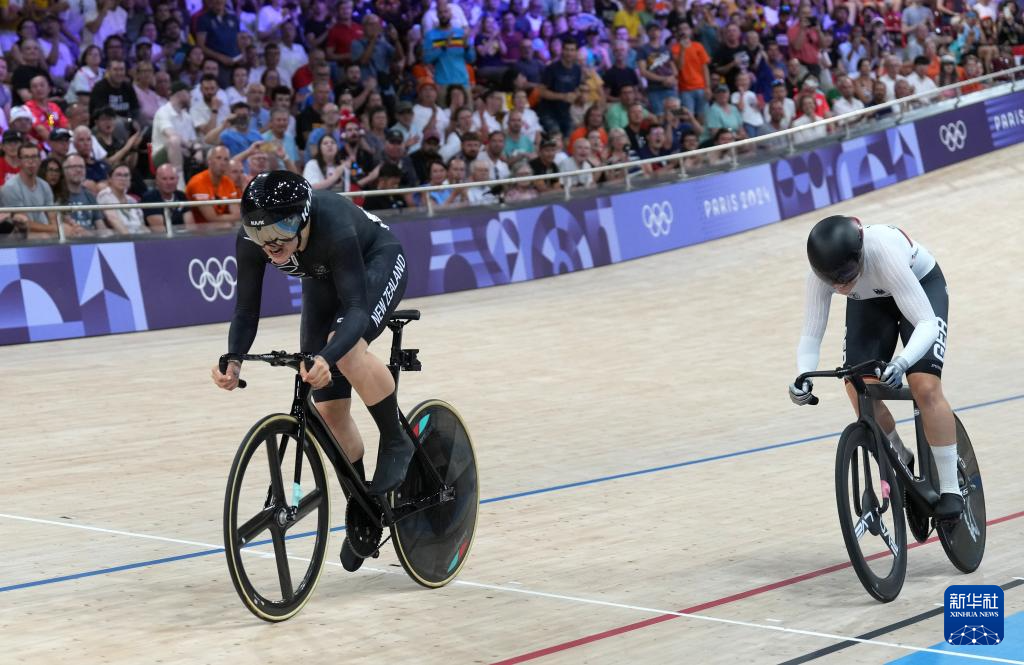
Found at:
[953, 135]
[213, 279]
[657, 217]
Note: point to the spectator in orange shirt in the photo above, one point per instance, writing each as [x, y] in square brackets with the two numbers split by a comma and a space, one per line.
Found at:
[694, 77]
[214, 183]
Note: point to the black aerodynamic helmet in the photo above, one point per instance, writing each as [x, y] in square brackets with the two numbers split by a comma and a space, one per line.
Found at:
[835, 248]
[275, 206]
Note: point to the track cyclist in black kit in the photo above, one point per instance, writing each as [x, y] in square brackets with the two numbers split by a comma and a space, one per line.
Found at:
[894, 288]
[353, 275]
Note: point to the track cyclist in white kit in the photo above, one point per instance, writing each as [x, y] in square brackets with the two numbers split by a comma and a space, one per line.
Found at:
[894, 288]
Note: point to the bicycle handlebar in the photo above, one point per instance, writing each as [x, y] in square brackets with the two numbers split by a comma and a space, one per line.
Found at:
[840, 373]
[273, 358]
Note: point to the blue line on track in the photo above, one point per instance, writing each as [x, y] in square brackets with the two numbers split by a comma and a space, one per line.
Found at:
[506, 497]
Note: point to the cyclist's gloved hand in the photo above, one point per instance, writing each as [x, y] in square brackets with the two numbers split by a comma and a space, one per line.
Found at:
[801, 396]
[892, 377]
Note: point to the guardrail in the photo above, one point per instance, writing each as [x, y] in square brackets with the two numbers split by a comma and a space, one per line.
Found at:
[846, 120]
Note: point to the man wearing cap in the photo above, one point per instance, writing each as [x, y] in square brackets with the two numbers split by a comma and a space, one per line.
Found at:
[21, 121]
[657, 66]
[174, 136]
[388, 178]
[395, 153]
[60, 144]
[430, 150]
[9, 163]
[426, 113]
[407, 126]
[118, 151]
[544, 163]
[211, 184]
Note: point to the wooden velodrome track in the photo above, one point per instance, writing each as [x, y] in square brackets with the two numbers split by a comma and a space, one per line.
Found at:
[652, 495]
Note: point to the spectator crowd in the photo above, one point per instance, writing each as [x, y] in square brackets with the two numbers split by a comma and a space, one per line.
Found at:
[161, 101]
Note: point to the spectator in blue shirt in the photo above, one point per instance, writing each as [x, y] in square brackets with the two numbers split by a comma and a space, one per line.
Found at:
[239, 136]
[217, 35]
[447, 48]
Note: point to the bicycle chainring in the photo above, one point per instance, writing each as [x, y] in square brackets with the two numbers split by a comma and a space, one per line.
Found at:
[363, 535]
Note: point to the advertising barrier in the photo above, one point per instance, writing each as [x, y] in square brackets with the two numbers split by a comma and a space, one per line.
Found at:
[79, 290]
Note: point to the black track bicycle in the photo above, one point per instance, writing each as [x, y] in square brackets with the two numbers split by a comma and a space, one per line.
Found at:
[874, 487]
[276, 535]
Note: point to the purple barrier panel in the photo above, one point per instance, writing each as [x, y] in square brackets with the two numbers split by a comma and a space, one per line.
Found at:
[1006, 119]
[672, 216]
[502, 246]
[192, 281]
[838, 172]
[57, 292]
[952, 137]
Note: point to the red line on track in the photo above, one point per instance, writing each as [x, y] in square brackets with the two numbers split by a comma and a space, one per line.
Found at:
[564, 646]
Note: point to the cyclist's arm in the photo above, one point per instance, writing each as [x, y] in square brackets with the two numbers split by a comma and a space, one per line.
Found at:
[913, 302]
[252, 264]
[817, 301]
[349, 274]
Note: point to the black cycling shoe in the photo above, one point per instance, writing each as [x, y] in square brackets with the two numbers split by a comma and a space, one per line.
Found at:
[949, 507]
[392, 463]
[350, 561]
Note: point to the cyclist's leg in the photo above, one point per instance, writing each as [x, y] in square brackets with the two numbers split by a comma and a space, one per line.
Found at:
[925, 376]
[925, 379]
[319, 302]
[872, 328]
[386, 277]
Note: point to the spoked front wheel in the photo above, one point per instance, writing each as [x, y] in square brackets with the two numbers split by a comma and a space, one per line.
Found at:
[276, 518]
[433, 544]
[964, 540]
[871, 515]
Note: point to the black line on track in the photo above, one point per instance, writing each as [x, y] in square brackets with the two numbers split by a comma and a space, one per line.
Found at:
[892, 627]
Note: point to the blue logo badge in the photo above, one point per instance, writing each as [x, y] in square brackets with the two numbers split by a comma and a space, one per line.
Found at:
[974, 614]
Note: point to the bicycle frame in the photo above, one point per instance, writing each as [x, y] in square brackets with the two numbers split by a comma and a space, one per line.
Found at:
[304, 410]
[920, 490]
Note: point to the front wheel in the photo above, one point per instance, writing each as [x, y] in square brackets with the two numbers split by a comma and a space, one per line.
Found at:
[275, 583]
[964, 540]
[869, 507]
[433, 544]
